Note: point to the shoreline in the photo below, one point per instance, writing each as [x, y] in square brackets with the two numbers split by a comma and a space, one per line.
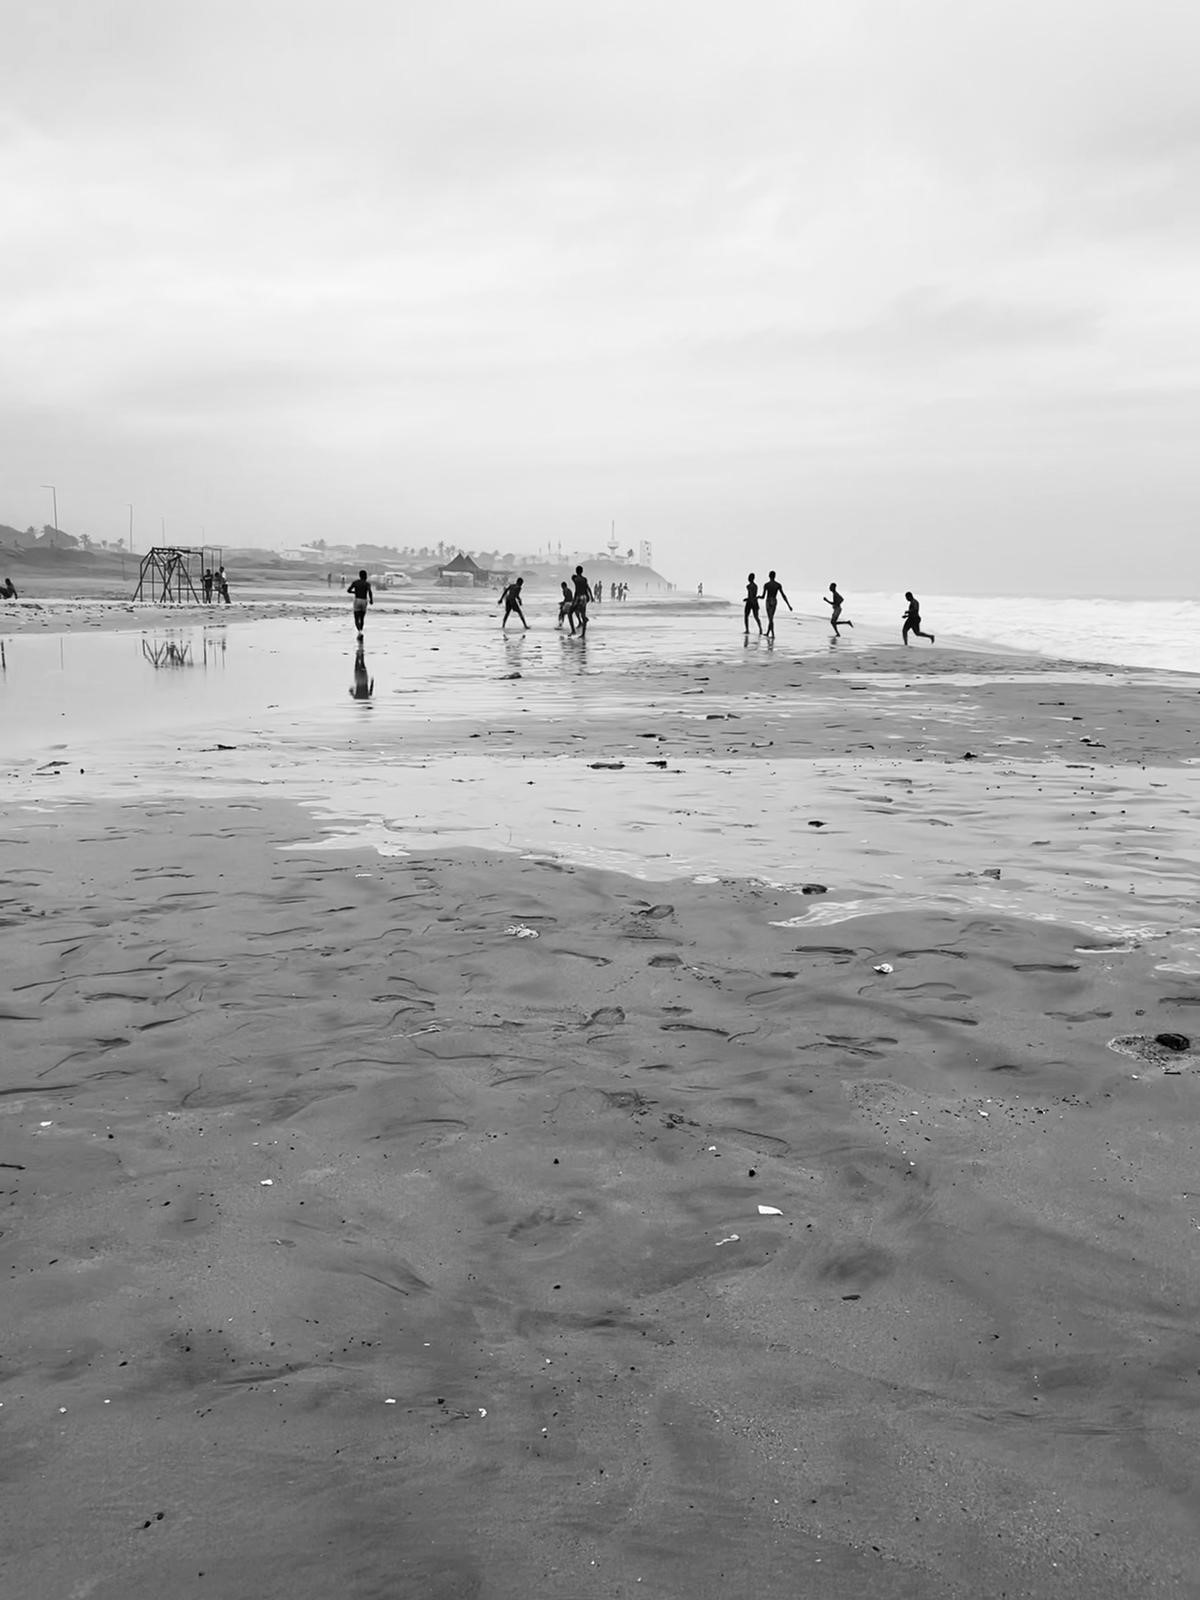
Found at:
[660, 766]
[801, 630]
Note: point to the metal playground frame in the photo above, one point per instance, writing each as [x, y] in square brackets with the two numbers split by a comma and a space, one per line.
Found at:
[169, 573]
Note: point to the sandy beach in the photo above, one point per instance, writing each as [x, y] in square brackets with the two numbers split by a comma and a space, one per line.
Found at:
[653, 1117]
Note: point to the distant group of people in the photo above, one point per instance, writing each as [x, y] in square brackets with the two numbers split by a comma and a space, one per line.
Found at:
[578, 594]
[215, 583]
[572, 608]
[772, 592]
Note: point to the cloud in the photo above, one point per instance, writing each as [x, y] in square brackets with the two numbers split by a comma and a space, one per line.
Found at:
[520, 258]
[922, 327]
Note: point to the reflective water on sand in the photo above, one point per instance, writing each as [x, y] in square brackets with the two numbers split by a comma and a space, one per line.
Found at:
[895, 835]
[428, 667]
[420, 669]
[377, 744]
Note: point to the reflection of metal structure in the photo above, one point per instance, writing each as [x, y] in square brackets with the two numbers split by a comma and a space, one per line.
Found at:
[167, 655]
[166, 574]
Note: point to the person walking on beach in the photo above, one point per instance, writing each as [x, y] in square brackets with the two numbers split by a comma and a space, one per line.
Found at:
[364, 596]
[834, 599]
[751, 607]
[223, 585]
[912, 619]
[206, 583]
[583, 593]
[773, 594]
[9, 591]
[510, 599]
[566, 605]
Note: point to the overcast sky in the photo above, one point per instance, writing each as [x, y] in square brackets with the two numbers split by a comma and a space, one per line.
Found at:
[901, 291]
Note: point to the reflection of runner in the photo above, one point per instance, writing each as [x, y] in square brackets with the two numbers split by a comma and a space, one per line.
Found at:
[583, 593]
[510, 599]
[772, 594]
[364, 687]
[912, 619]
[364, 596]
[751, 607]
[834, 599]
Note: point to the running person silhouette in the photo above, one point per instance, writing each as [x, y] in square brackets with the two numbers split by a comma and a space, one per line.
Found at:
[837, 601]
[510, 599]
[772, 594]
[363, 597]
[912, 619]
[750, 609]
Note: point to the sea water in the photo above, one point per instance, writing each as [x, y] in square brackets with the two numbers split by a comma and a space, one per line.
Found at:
[1132, 633]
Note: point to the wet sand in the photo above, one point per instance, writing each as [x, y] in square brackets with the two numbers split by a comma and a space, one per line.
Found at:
[384, 1146]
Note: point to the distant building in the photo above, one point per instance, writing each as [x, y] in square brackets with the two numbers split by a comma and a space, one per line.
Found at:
[463, 573]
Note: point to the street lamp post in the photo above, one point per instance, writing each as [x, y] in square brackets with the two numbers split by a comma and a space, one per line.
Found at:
[54, 499]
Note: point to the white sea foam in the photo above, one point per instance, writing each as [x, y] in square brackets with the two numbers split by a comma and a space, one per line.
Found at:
[1133, 633]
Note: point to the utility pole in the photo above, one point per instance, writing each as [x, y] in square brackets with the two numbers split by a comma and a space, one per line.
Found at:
[54, 498]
